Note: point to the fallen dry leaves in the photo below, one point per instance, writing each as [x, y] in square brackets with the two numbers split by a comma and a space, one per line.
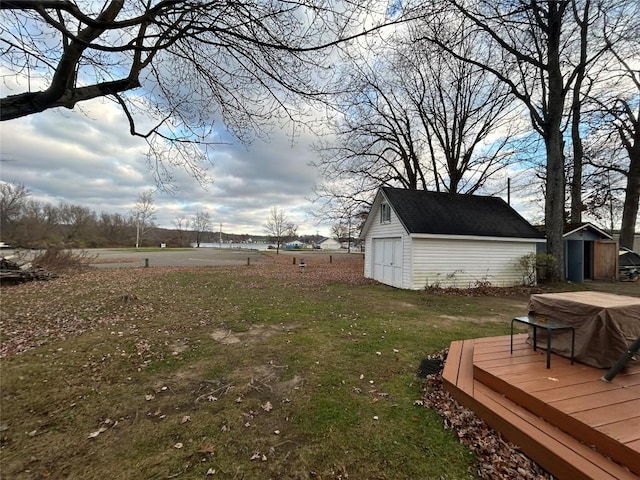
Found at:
[497, 458]
[320, 270]
[37, 313]
[102, 297]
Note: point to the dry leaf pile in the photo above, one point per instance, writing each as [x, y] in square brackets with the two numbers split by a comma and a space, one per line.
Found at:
[498, 459]
[486, 290]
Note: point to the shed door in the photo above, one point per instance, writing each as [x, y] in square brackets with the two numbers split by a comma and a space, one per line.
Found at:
[605, 260]
[575, 261]
[387, 261]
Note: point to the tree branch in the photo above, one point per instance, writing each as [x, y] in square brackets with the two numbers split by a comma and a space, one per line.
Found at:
[16, 106]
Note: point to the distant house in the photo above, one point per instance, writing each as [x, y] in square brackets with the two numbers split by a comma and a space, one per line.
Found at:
[294, 244]
[415, 238]
[329, 244]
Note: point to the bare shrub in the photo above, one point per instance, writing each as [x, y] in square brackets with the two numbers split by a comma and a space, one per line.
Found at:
[62, 260]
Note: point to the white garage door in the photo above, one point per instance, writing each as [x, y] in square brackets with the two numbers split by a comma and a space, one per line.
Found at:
[387, 261]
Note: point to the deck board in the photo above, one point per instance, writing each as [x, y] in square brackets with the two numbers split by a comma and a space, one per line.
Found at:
[573, 404]
[553, 414]
[548, 393]
[465, 376]
[624, 411]
[621, 431]
[555, 450]
[451, 368]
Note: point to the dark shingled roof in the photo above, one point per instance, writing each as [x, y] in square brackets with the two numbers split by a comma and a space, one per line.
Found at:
[453, 214]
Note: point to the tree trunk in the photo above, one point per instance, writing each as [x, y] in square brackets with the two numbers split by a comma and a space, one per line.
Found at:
[576, 180]
[631, 199]
[555, 182]
[576, 138]
[554, 203]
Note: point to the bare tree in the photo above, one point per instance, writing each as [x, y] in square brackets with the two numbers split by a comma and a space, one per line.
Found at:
[614, 136]
[143, 215]
[13, 197]
[180, 222]
[628, 127]
[466, 113]
[603, 185]
[185, 64]
[279, 228]
[412, 116]
[31, 226]
[342, 204]
[576, 113]
[75, 220]
[341, 231]
[113, 228]
[347, 213]
[537, 57]
[201, 224]
[613, 151]
[377, 140]
[40, 225]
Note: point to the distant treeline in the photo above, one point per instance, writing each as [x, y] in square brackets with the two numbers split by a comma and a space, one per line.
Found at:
[72, 226]
[26, 223]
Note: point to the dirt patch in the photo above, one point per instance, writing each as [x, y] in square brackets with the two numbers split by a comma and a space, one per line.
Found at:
[178, 346]
[283, 387]
[406, 305]
[495, 318]
[226, 337]
[263, 382]
[266, 381]
[254, 334]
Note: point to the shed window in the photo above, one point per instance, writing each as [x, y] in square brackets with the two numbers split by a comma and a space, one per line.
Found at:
[385, 213]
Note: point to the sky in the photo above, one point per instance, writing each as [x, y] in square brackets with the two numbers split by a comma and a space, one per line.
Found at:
[87, 157]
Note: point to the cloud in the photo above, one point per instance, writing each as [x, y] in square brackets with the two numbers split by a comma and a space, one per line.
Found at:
[87, 157]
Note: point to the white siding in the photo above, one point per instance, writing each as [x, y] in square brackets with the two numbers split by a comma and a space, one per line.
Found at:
[330, 244]
[462, 263]
[387, 230]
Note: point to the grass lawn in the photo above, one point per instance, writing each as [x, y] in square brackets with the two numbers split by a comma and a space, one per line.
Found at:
[253, 372]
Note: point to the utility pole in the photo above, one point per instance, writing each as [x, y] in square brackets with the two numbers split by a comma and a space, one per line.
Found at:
[220, 235]
[137, 231]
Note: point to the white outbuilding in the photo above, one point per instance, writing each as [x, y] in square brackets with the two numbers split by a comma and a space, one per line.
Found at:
[329, 244]
[416, 239]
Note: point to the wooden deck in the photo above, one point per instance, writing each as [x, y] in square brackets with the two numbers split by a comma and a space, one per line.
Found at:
[566, 418]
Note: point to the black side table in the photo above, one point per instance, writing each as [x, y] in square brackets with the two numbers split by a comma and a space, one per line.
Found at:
[549, 326]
